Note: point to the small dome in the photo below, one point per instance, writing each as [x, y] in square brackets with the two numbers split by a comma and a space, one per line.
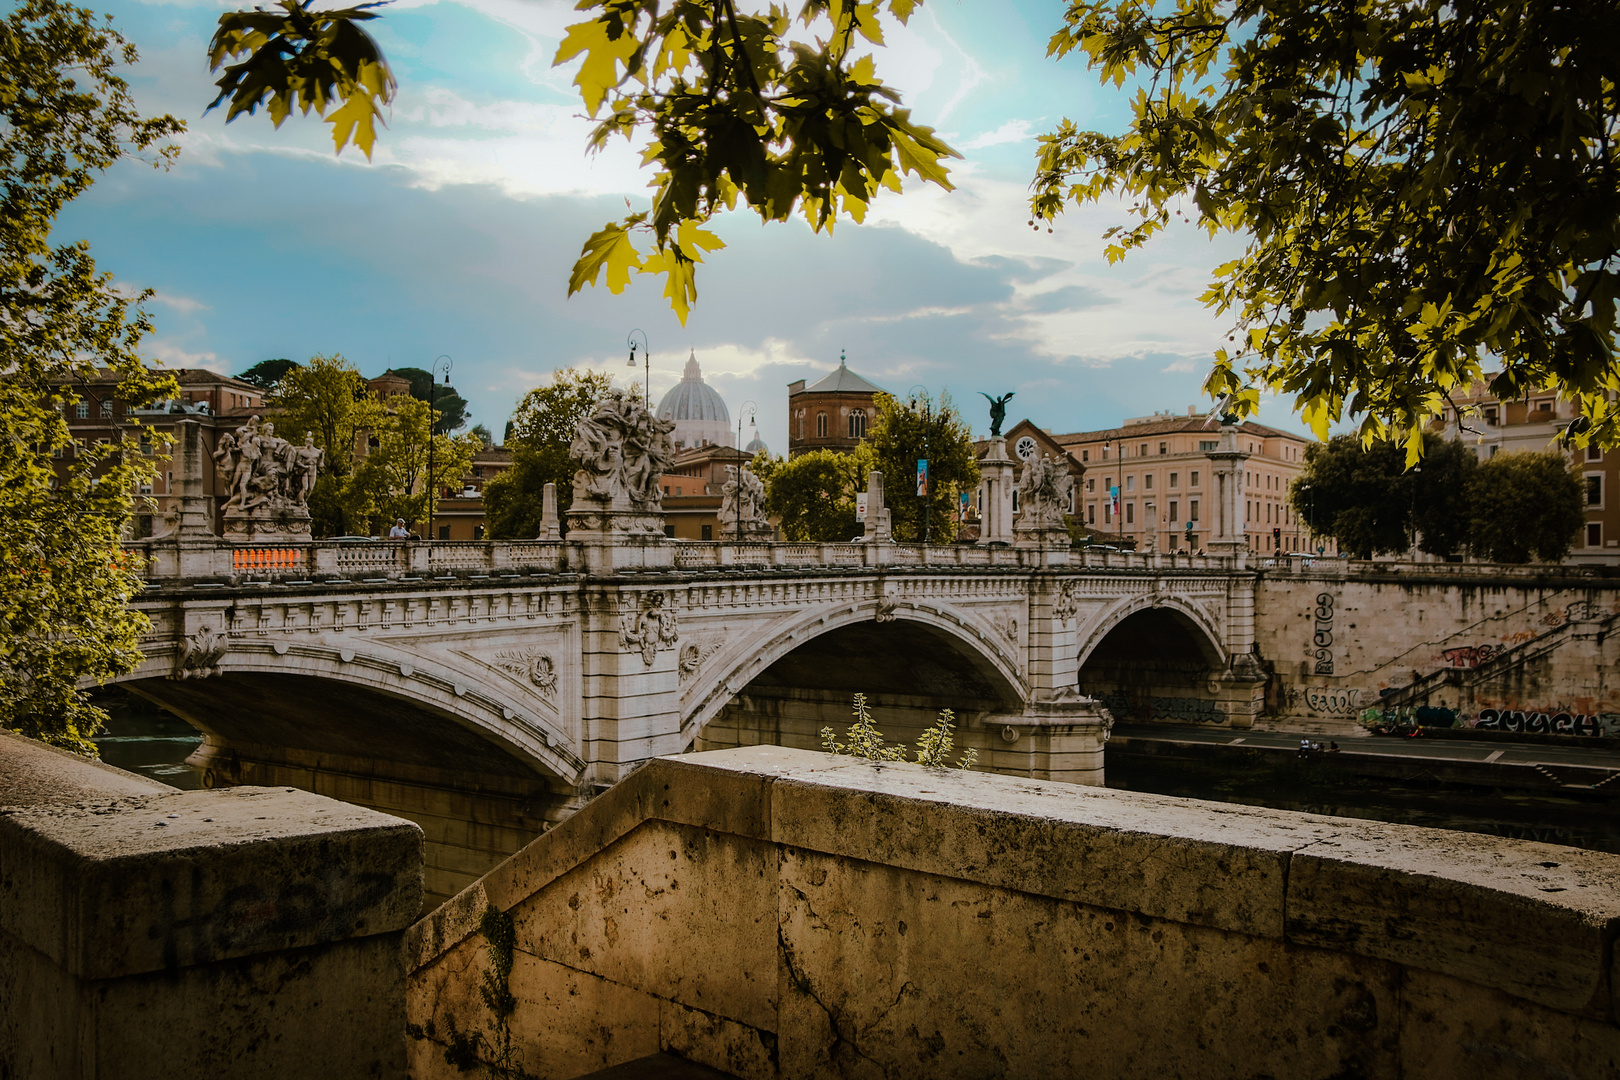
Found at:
[756, 445]
[692, 399]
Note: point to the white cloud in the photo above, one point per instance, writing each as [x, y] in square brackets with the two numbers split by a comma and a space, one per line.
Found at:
[183, 304]
[170, 355]
[1013, 131]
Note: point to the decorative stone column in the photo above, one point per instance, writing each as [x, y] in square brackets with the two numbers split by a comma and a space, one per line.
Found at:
[1227, 536]
[996, 472]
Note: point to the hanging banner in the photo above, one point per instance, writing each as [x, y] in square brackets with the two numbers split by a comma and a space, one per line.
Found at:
[860, 506]
[922, 476]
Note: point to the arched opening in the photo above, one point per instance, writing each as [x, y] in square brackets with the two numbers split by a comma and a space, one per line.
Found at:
[476, 800]
[908, 670]
[1154, 664]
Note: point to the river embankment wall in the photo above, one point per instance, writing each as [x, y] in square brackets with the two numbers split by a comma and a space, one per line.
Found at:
[775, 912]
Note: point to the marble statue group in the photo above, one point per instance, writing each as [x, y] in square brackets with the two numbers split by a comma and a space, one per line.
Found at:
[267, 480]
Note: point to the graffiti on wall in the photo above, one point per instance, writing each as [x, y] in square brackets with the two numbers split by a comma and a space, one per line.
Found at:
[1185, 709]
[1573, 612]
[1469, 656]
[1335, 701]
[1549, 722]
[1322, 639]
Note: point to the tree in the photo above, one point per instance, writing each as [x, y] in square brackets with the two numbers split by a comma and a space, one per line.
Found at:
[1425, 187]
[451, 406]
[65, 116]
[485, 436]
[1366, 499]
[329, 399]
[393, 480]
[901, 434]
[814, 493]
[540, 433]
[1523, 505]
[267, 374]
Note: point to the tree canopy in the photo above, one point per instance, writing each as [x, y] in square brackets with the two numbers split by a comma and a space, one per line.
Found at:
[1427, 188]
[1524, 505]
[1505, 509]
[328, 398]
[65, 116]
[904, 432]
[267, 374]
[539, 434]
[814, 494]
[394, 479]
[451, 406]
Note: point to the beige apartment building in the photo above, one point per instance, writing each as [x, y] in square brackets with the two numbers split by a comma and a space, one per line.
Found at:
[1493, 426]
[1151, 475]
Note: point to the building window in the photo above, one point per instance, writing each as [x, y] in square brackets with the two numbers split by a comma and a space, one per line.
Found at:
[708, 532]
[1164, 448]
[1594, 453]
[82, 410]
[1085, 455]
[1490, 416]
[1175, 480]
[1594, 534]
[1130, 513]
[857, 423]
[478, 532]
[1091, 514]
[1594, 490]
[106, 407]
[1194, 481]
[1544, 406]
[801, 425]
[444, 532]
[821, 425]
[1015, 500]
[1175, 516]
[1207, 444]
[1130, 483]
[1192, 509]
[1091, 484]
[1141, 451]
[1147, 482]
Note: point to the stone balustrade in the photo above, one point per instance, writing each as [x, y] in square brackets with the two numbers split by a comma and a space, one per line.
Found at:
[330, 561]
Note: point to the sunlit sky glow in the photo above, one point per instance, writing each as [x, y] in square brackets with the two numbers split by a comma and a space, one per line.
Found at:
[456, 238]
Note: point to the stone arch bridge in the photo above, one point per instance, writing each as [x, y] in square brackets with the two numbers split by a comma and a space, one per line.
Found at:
[486, 689]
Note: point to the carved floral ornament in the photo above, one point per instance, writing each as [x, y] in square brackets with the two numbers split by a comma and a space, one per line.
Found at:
[694, 654]
[1066, 605]
[531, 664]
[649, 626]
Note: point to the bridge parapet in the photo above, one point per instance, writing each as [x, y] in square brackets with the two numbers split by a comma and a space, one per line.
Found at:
[235, 563]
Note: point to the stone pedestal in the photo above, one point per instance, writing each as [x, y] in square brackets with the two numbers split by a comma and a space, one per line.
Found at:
[549, 529]
[1052, 740]
[996, 473]
[1226, 535]
[878, 530]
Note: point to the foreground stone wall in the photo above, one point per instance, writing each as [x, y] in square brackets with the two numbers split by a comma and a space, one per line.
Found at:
[149, 932]
[782, 913]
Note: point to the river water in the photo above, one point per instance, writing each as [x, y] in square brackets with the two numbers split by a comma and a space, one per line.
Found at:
[143, 738]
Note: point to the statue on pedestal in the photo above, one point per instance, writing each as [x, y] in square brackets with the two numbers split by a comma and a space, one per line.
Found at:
[742, 507]
[622, 449]
[1044, 491]
[267, 481]
[998, 412]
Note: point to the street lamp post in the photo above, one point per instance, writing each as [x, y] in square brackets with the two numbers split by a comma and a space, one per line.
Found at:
[923, 481]
[443, 363]
[1119, 503]
[646, 359]
[1310, 519]
[750, 410]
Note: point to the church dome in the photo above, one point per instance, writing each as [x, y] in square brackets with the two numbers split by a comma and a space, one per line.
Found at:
[693, 399]
[756, 445]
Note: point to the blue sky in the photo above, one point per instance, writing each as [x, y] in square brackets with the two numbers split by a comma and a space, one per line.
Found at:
[457, 237]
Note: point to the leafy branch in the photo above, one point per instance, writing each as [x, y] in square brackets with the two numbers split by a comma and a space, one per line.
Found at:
[733, 109]
[863, 739]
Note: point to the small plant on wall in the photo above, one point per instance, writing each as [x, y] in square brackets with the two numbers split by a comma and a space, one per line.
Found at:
[863, 739]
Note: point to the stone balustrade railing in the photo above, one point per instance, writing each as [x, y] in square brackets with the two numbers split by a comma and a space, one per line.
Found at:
[320, 562]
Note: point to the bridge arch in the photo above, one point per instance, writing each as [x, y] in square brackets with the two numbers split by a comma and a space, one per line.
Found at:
[337, 699]
[991, 658]
[1154, 657]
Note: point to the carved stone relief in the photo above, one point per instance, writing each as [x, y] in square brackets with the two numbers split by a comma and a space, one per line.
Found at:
[531, 664]
[746, 521]
[268, 481]
[1067, 604]
[694, 654]
[622, 449]
[649, 627]
[201, 654]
